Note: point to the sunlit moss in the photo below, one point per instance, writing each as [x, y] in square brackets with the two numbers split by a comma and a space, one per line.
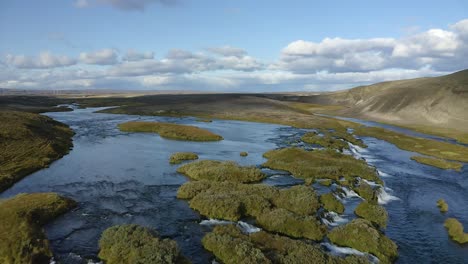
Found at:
[179, 157]
[221, 171]
[439, 163]
[298, 199]
[331, 203]
[243, 154]
[319, 164]
[29, 142]
[455, 231]
[361, 235]
[171, 131]
[230, 245]
[443, 206]
[137, 244]
[21, 220]
[366, 191]
[325, 140]
[375, 213]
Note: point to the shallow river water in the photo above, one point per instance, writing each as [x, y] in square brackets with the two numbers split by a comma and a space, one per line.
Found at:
[119, 177]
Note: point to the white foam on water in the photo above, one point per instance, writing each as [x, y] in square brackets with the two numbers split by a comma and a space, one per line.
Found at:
[371, 183]
[343, 251]
[350, 193]
[248, 228]
[245, 227]
[215, 222]
[336, 219]
[383, 174]
[384, 197]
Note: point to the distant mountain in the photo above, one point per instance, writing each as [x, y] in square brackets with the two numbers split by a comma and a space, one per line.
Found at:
[427, 102]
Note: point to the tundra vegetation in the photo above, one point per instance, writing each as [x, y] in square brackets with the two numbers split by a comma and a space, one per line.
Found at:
[231, 246]
[21, 220]
[29, 142]
[171, 131]
[290, 211]
[214, 170]
[243, 154]
[136, 244]
[363, 236]
[179, 157]
[319, 164]
[375, 213]
[439, 163]
[455, 231]
[443, 206]
[331, 203]
[325, 140]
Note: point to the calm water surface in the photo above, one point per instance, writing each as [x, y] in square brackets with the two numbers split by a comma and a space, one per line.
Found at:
[120, 177]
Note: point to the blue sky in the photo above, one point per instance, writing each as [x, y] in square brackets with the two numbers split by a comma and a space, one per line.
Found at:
[227, 45]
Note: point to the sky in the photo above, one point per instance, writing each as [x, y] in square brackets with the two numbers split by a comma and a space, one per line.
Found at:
[227, 46]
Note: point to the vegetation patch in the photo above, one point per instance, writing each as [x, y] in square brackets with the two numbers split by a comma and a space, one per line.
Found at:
[375, 213]
[325, 140]
[366, 191]
[137, 244]
[443, 206]
[244, 154]
[361, 235]
[455, 231]
[434, 148]
[331, 203]
[319, 164]
[171, 131]
[179, 157]
[439, 163]
[231, 246]
[221, 171]
[284, 222]
[29, 142]
[21, 220]
[289, 211]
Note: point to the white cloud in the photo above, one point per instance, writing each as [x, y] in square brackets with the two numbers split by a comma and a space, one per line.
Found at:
[100, 57]
[43, 61]
[228, 51]
[133, 55]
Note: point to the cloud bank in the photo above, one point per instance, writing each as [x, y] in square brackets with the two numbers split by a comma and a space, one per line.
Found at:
[332, 63]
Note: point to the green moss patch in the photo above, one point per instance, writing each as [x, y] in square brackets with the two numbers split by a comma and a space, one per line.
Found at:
[319, 164]
[179, 157]
[243, 154]
[284, 222]
[443, 206]
[455, 231]
[221, 171]
[29, 142]
[326, 141]
[289, 211]
[231, 246]
[375, 213]
[171, 131]
[366, 191]
[136, 244]
[331, 203]
[21, 220]
[439, 163]
[361, 235]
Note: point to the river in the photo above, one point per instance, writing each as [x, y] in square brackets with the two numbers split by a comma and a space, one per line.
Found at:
[120, 177]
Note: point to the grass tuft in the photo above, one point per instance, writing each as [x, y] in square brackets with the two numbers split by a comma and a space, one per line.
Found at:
[331, 203]
[443, 206]
[375, 213]
[179, 157]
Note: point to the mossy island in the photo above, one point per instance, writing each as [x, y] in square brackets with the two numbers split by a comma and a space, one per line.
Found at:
[375, 213]
[439, 163]
[331, 203]
[136, 244]
[21, 221]
[319, 164]
[179, 157]
[231, 246]
[326, 141]
[171, 131]
[363, 236]
[244, 154]
[289, 211]
[456, 231]
[443, 206]
[214, 170]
